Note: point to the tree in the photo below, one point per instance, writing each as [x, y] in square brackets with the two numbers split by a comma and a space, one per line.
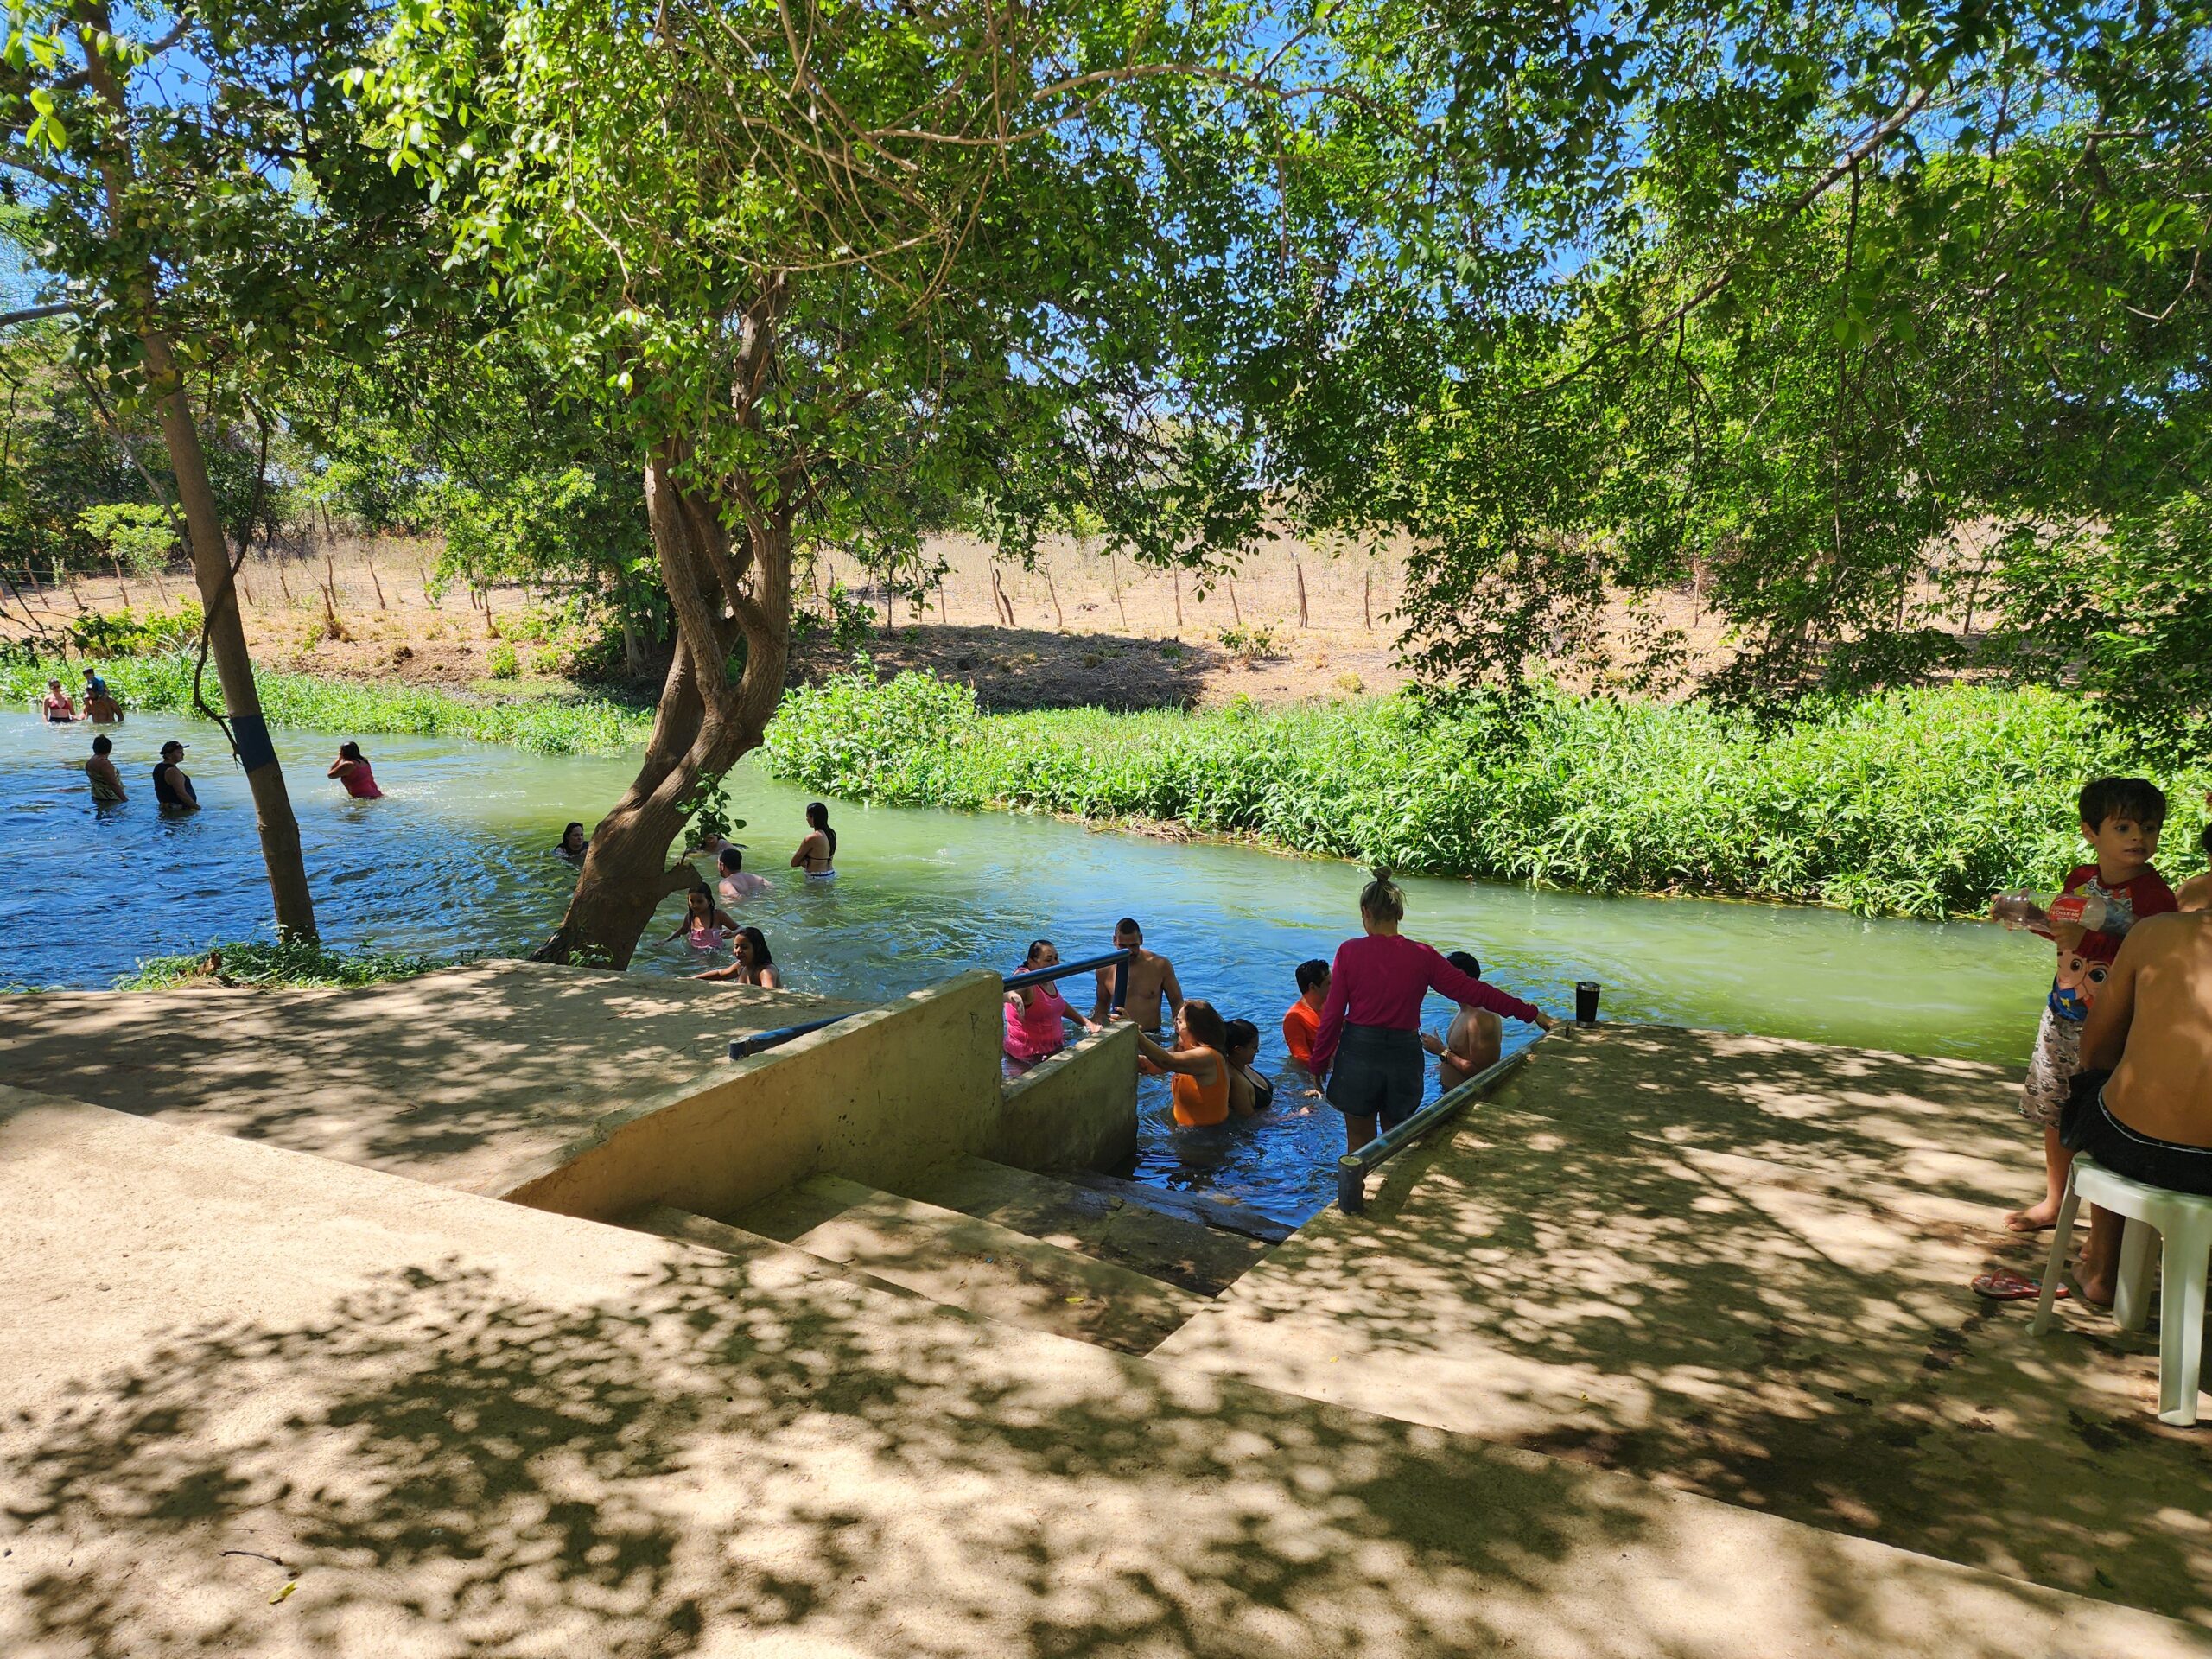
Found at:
[211, 228]
[829, 268]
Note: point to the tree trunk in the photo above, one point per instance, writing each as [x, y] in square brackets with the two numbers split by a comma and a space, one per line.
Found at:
[704, 723]
[211, 569]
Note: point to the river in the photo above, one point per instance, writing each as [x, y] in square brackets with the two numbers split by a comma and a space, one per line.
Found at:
[459, 858]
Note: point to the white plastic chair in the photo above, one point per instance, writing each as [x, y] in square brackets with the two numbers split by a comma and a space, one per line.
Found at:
[2183, 1222]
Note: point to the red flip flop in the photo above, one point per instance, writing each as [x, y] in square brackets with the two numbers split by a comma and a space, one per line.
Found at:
[2005, 1285]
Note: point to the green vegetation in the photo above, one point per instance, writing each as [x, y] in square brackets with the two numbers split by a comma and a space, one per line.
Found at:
[129, 633]
[551, 726]
[292, 964]
[1914, 803]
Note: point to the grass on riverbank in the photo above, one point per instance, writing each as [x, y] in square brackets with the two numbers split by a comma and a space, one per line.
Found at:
[1917, 803]
[268, 965]
[162, 684]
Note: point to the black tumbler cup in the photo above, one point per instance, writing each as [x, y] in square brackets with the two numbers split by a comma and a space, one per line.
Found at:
[1586, 1002]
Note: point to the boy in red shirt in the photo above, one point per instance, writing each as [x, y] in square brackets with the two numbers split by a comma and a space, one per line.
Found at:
[2120, 820]
[1303, 1022]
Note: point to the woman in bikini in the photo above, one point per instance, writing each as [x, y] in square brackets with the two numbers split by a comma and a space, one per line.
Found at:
[1037, 1016]
[818, 852]
[1246, 1082]
[703, 926]
[1199, 1062]
[753, 965]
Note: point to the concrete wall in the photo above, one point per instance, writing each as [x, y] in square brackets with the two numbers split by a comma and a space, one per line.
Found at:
[1077, 1110]
[872, 1098]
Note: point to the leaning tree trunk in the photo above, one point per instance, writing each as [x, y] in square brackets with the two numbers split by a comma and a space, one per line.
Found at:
[706, 722]
[211, 566]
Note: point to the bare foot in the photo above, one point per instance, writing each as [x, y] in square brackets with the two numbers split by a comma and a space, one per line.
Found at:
[2097, 1289]
[2036, 1218]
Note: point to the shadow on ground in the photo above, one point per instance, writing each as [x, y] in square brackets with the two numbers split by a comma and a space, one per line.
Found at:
[1740, 1267]
[1032, 668]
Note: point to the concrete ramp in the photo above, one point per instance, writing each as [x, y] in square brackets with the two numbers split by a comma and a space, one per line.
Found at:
[262, 1404]
[1739, 1267]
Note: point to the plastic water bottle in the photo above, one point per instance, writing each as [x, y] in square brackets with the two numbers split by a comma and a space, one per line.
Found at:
[2031, 912]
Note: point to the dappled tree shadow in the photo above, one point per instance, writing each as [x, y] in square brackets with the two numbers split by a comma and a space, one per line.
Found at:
[1741, 1267]
[456, 1077]
[1031, 668]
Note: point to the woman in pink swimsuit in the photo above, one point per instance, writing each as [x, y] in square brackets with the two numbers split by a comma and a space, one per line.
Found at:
[704, 926]
[351, 770]
[1037, 1016]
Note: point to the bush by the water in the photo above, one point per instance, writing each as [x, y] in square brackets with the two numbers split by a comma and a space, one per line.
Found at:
[162, 684]
[269, 964]
[1915, 804]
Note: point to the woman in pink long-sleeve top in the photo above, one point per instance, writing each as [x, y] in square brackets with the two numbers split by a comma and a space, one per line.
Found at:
[1370, 1043]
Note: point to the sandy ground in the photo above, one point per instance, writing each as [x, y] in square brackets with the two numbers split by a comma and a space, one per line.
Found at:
[1086, 628]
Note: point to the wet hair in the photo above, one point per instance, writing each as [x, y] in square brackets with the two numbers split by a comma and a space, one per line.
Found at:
[1466, 962]
[691, 900]
[349, 751]
[562, 846]
[2135, 799]
[730, 858]
[1128, 924]
[1381, 899]
[1237, 1032]
[818, 817]
[102, 744]
[758, 941]
[1205, 1026]
[1313, 973]
[1037, 947]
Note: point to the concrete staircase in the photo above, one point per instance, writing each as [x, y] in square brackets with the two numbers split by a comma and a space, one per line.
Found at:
[1099, 1265]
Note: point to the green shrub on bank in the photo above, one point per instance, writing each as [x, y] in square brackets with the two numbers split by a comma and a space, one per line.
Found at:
[1916, 804]
[269, 964]
[551, 726]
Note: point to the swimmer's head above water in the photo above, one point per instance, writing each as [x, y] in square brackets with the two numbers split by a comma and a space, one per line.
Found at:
[573, 841]
[1466, 962]
[1242, 1038]
[1127, 934]
[1314, 980]
[1196, 1022]
[731, 859]
[1043, 953]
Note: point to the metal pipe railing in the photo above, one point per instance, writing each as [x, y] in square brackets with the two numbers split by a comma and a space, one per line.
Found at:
[1089, 965]
[1353, 1167]
[760, 1041]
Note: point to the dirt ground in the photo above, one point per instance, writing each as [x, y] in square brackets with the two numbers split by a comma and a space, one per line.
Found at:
[1084, 628]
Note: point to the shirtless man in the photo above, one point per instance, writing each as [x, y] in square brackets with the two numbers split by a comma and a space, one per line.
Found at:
[1472, 1041]
[1135, 989]
[2152, 1122]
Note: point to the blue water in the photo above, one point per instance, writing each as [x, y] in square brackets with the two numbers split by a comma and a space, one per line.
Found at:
[458, 858]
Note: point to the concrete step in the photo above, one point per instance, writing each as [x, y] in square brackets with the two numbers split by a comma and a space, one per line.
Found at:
[1108, 1226]
[968, 1263]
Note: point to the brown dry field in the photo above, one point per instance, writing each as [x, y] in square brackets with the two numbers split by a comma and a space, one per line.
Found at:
[1086, 630]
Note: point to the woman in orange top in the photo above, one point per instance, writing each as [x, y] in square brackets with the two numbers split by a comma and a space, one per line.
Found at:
[1199, 1062]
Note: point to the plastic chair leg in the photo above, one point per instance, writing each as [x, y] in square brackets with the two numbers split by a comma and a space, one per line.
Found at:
[2180, 1322]
[2131, 1303]
[2054, 1263]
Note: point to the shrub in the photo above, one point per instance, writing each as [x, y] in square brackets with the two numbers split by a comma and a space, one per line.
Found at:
[127, 633]
[1918, 804]
[502, 664]
[1252, 645]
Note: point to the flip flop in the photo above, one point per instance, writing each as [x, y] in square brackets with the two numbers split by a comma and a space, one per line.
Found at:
[2005, 1285]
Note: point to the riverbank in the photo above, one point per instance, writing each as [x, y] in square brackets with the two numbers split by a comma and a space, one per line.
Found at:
[1919, 803]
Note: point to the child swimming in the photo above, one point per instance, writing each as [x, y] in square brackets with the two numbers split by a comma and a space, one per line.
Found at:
[703, 926]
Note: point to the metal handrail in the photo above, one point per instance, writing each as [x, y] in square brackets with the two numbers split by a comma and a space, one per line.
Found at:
[1352, 1168]
[1089, 965]
[760, 1041]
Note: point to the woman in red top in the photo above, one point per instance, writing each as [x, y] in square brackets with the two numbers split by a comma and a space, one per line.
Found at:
[351, 770]
[1369, 1044]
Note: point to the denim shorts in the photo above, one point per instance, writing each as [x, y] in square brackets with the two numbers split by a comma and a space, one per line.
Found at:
[1377, 1073]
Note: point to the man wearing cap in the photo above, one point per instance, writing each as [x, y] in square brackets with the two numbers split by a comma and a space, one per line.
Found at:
[171, 786]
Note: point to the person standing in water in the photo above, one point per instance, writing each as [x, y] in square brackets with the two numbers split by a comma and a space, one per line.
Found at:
[173, 791]
[107, 782]
[55, 704]
[1199, 1062]
[1246, 1084]
[1137, 987]
[1037, 1016]
[1367, 1045]
[818, 850]
[351, 769]
[753, 966]
[704, 927]
[1472, 1042]
[574, 843]
[735, 883]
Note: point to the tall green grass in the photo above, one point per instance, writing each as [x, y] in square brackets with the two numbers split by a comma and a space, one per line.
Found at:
[162, 684]
[1916, 804]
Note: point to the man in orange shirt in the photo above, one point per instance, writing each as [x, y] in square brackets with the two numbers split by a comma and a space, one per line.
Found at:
[1304, 1018]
